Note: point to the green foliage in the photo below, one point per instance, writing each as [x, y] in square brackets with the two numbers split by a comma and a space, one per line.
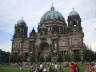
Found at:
[60, 59]
[77, 57]
[33, 59]
[41, 59]
[15, 58]
[48, 59]
[67, 57]
[37, 59]
[4, 56]
[89, 55]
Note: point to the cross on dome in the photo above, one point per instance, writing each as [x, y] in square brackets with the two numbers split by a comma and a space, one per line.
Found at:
[52, 6]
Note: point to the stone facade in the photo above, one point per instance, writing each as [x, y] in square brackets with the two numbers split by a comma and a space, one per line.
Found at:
[54, 37]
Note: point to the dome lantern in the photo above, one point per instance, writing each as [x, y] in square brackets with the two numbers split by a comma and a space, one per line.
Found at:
[52, 7]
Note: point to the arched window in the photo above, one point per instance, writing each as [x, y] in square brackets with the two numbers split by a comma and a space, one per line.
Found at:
[74, 23]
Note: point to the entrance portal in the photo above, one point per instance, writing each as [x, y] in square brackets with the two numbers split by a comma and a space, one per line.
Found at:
[44, 49]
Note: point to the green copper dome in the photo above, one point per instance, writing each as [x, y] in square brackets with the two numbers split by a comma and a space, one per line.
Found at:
[72, 13]
[21, 21]
[52, 15]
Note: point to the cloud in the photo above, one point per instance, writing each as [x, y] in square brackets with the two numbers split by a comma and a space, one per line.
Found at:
[89, 28]
[7, 30]
[6, 46]
[93, 46]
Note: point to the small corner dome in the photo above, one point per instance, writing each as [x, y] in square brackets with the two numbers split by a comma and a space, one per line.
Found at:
[21, 21]
[73, 13]
[52, 15]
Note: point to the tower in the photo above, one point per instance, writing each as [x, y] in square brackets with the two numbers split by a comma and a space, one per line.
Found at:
[19, 43]
[75, 35]
[74, 22]
[20, 29]
[32, 40]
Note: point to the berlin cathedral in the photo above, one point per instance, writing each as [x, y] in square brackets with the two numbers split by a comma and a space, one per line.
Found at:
[54, 37]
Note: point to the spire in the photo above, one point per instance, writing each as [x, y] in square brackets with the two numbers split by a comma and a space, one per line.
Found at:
[32, 32]
[52, 6]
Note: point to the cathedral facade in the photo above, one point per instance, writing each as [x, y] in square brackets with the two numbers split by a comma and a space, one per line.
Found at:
[54, 37]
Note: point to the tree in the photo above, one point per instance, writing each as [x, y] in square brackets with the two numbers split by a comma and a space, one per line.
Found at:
[88, 54]
[42, 59]
[15, 58]
[33, 59]
[77, 57]
[67, 57]
[48, 59]
[4, 56]
[60, 58]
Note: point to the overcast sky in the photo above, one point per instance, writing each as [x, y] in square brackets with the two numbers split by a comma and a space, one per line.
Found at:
[32, 11]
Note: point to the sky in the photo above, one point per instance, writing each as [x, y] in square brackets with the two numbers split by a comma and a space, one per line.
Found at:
[32, 10]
